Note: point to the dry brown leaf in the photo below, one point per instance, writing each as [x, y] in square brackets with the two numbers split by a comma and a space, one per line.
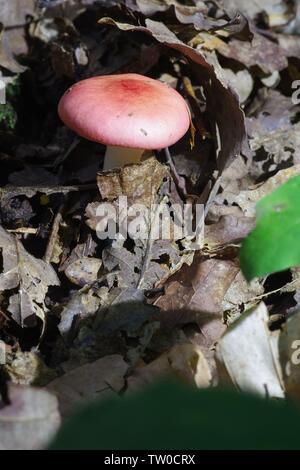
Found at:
[186, 361]
[246, 351]
[241, 296]
[195, 295]
[81, 305]
[261, 52]
[247, 200]
[30, 421]
[229, 229]
[12, 40]
[150, 7]
[152, 257]
[99, 379]
[31, 275]
[83, 271]
[253, 9]
[290, 44]
[271, 127]
[199, 288]
[28, 368]
[139, 182]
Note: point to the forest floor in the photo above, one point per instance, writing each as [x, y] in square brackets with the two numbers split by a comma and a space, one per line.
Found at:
[84, 317]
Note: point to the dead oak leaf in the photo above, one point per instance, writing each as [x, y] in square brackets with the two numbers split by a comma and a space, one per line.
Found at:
[200, 288]
[145, 266]
[147, 190]
[261, 52]
[30, 275]
[139, 182]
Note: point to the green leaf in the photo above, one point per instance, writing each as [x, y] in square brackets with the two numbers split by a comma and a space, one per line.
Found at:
[274, 244]
[172, 416]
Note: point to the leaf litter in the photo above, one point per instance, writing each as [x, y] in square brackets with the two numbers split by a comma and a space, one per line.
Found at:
[86, 318]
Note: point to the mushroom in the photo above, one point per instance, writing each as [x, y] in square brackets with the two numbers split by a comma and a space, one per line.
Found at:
[129, 113]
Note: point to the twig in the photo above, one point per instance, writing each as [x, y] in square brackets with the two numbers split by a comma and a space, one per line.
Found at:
[61, 158]
[24, 230]
[150, 241]
[179, 180]
[212, 195]
[275, 291]
[3, 315]
[53, 235]
[258, 298]
[30, 191]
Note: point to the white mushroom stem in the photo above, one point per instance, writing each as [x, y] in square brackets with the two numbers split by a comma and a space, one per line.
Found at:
[120, 156]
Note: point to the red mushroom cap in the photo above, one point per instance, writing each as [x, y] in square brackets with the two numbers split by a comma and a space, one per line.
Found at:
[127, 110]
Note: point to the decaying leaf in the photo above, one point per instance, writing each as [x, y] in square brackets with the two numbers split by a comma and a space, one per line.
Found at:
[276, 10]
[139, 183]
[199, 288]
[195, 295]
[246, 353]
[289, 356]
[113, 310]
[247, 199]
[143, 268]
[184, 360]
[30, 420]
[99, 379]
[229, 229]
[12, 39]
[124, 310]
[151, 257]
[30, 275]
[28, 368]
[241, 296]
[272, 129]
[83, 271]
[82, 305]
[260, 52]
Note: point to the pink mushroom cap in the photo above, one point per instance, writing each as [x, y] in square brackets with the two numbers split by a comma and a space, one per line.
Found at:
[127, 110]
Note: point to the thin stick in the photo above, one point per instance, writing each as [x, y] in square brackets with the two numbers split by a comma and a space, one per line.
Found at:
[179, 180]
[30, 191]
[212, 195]
[150, 241]
[61, 158]
[24, 230]
[53, 235]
